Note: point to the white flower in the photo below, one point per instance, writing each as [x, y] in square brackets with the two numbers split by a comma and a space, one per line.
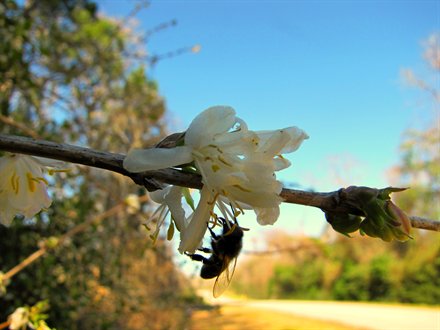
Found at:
[19, 319]
[234, 162]
[170, 200]
[192, 236]
[22, 186]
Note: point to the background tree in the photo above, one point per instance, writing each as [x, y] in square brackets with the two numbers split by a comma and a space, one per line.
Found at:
[419, 167]
[70, 75]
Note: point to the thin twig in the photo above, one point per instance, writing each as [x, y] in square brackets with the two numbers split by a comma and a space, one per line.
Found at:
[22, 127]
[5, 324]
[154, 180]
[75, 230]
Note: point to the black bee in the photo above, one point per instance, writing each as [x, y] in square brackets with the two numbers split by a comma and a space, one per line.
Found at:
[224, 250]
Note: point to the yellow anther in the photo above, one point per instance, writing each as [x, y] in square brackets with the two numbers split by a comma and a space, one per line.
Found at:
[41, 179]
[224, 161]
[241, 188]
[214, 199]
[215, 167]
[15, 182]
[215, 217]
[235, 206]
[31, 182]
[52, 171]
[231, 230]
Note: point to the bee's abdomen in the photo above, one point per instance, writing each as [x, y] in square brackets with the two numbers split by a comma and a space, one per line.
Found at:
[211, 271]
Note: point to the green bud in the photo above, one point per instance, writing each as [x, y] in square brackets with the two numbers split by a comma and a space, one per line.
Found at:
[382, 218]
[343, 223]
[51, 242]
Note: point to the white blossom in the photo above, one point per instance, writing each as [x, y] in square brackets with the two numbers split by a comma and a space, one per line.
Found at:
[19, 319]
[23, 188]
[170, 200]
[234, 162]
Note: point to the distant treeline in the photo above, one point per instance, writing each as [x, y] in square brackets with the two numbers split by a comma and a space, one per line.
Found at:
[360, 269]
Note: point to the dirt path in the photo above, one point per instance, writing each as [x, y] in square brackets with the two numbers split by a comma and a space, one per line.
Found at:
[366, 315]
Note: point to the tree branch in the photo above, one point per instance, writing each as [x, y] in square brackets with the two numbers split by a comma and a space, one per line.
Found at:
[336, 201]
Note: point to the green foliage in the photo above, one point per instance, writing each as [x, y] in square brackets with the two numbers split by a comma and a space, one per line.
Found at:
[352, 283]
[380, 283]
[354, 268]
[421, 282]
[70, 75]
[299, 281]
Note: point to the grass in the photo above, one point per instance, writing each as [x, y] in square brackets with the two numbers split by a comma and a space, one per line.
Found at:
[232, 317]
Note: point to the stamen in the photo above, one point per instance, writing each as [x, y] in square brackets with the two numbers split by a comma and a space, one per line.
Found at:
[215, 167]
[215, 147]
[241, 188]
[170, 231]
[231, 230]
[215, 217]
[197, 154]
[15, 182]
[52, 171]
[41, 179]
[31, 182]
[235, 206]
[237, 213]
[214, 199]
[224, 161]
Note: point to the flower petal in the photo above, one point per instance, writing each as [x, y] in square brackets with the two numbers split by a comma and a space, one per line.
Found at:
[22, 187]
[297, 136]
[267, 216]
[49, 162]
[174, 201]
[206, 125]
[158, 196]
[286, 140]
[140, 160]
[193, 234]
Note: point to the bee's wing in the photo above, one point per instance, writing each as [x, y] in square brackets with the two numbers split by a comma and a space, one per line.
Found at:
[224, 278]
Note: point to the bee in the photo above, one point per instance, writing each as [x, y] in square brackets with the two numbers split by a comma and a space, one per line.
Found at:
[224, 250]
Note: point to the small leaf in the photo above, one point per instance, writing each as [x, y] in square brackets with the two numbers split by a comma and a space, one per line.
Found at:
[188, 198]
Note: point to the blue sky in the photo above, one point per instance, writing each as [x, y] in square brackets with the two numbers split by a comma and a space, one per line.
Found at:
[329, 67]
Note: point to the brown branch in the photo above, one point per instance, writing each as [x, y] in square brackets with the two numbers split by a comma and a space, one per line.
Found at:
[5, 324]
[332, 201]
[60, 240]
[22, 127]
[153, 180]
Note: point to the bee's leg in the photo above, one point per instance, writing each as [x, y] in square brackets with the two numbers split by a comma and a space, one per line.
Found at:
[214, 235]
[206, 250]
[198, 257]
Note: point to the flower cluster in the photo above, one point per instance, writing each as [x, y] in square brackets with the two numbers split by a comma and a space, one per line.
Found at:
[380, 216]
[237, 166]
[32, 317]
[23, 188]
